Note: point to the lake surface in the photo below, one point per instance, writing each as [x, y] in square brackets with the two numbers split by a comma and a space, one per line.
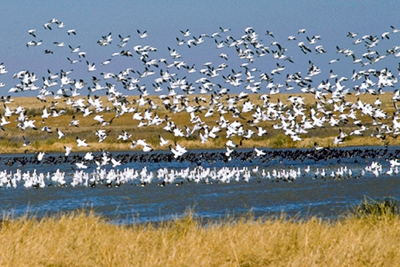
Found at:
[308, 194]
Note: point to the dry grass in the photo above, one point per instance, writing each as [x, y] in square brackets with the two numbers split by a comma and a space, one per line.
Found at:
[11, 140]
[83, 239]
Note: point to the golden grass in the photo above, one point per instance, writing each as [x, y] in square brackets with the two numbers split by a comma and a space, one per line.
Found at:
[11, 140]
[83, 239]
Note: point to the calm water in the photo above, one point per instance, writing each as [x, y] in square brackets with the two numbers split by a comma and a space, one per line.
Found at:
[129, 203]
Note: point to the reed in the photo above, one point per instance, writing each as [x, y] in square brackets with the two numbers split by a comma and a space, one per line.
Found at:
[84, 239]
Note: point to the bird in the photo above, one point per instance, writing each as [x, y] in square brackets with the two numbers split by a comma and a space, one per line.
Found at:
[46, 129]
[3, 122]
[142, 34]
[224, 29]
[108, 61]
[125, 136]
[74, 122]
[147, 148]
[178, 151]
[115, 162]
[32, 32]
[317, 147]
[186, 33]
[301, 31]
[71, 31]
[124, 39]
[26, 142]
[91, 67]
[259, 152]
[163, 142]
[40, 156]
[269, 33]
[47, 26]
[81, 142]
[73, 61]
[67, 150]
[261, 131]
[60, 134]
[230, 143]
[81, 165]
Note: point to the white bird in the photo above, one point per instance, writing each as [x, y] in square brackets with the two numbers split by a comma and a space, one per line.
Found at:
[45, 113]
[67, 150]
[81, 165]
[72, 31]
[163, 142]
[3, 121]
[125, 136]
[59, 44]
[115, 162]
[186, 33]
[124, 39]
[147, 149]
[91, 67]
[108, 61]
[74, 50]
[261, 131]
[394, 163]
[228, 151]
[40, 156]
[231, 143]
[81, 142]
[32, 32]
[74, 122]
[317, 147]
[301, 31]
[47, 129]
[142, 34]
[73, 61]
[259, 152]
[89, 156]
[60, 134]
[7, 112]
[178, 151]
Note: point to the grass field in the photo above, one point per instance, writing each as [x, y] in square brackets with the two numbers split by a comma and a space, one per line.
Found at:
[83, 239]
[11, 140]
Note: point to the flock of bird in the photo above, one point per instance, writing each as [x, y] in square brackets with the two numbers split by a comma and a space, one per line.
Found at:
[120, 169]
[216, 81]
[170, 176]
[162, 177]
[165, 176]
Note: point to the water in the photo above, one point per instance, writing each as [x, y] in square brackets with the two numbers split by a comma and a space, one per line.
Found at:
[130, 203]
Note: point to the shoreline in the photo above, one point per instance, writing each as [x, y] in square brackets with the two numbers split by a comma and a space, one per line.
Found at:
[208, 149]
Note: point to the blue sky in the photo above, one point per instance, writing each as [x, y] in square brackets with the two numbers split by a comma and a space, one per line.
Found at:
[163, 21]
